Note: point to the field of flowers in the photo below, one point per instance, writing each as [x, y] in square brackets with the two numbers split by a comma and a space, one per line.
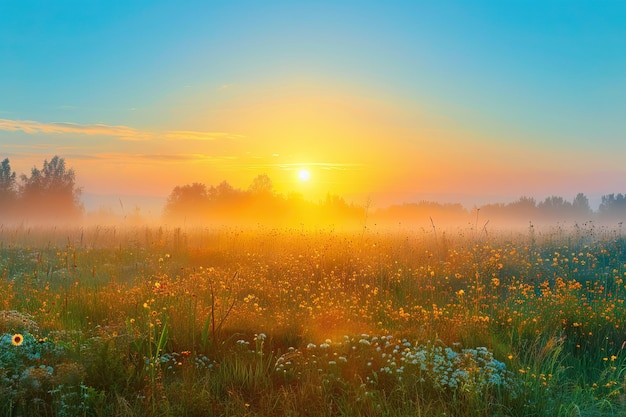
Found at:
[114, 321]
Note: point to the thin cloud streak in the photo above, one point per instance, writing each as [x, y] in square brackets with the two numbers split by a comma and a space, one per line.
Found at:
[294, 166]
[125, 133]
[164, 158]
[199, 136]
[36, 146]
[322, 165]
[33, 127]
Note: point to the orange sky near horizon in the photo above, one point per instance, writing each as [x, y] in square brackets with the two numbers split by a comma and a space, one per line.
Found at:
[352, 145]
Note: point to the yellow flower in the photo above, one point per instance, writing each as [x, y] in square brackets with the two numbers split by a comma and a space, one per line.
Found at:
[17, 339]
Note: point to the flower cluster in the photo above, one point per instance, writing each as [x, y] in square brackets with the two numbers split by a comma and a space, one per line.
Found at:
[14, 321]
[469, 370]
[385, 359]
[171, 362]
[22, 370]
[23, 350]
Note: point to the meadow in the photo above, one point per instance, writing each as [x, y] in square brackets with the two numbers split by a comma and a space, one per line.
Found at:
[157, 321]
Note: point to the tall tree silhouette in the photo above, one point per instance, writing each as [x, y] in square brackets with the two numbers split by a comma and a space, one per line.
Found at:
[51, 192]
[262, 185]
[554, 208]
[188, 201]
[581, 206]
[613, 206]
[8, 187]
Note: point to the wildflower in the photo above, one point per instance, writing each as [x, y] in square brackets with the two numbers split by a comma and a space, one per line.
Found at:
[17, 339]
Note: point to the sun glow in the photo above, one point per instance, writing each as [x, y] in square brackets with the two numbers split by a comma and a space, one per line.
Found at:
[304, 175]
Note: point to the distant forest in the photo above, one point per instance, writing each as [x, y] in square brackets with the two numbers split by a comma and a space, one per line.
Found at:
[199, 203]
[50, 194]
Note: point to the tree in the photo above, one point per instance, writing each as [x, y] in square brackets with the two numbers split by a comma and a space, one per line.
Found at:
[525, 202]
[51, 191]
[613, 205]
[262, 185]
[224, 195]
[555, 207]
[187, 201]
[581, 206]
[8, 187]
[523, 209]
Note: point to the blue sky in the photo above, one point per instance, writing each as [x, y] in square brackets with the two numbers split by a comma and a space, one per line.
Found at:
[501, 81]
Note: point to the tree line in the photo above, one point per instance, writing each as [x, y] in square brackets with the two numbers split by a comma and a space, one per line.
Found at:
[259, 203]
[49, 193]
[551, 210]
[198, 203]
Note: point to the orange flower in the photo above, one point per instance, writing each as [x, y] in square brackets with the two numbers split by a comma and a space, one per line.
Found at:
[17, 339]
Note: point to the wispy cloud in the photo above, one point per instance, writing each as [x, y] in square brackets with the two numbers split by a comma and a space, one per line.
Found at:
[200, 136]
[172, 157]
[37, 146]
[321, 165]
[34, 127]
[329, 166]
[147, 158]
[120, 132]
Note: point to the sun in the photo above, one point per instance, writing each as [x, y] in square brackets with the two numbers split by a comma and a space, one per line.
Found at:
[304, 175]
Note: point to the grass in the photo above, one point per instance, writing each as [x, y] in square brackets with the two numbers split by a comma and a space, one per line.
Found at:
[150, 321]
